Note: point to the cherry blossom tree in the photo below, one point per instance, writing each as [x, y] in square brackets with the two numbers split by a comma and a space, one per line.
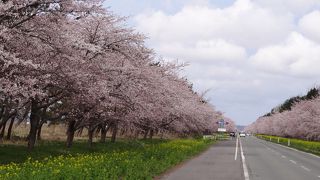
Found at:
[302, 121]
[76, 63]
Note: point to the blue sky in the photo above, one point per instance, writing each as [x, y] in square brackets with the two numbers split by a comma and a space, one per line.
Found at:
[133, 7]
[252, 54]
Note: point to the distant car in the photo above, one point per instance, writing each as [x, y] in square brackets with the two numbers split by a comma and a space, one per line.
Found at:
[242, 134]
[232, 134]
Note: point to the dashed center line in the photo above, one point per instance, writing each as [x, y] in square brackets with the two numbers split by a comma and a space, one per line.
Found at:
[305, 168]
[283, 156]
[318, 176]
[293, 161]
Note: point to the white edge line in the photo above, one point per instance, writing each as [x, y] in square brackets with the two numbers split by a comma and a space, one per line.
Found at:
[293, 161]
[307, 169]
[236, 153]
[245, 169]
[295, 149]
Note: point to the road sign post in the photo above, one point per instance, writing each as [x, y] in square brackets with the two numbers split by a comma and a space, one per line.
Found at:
[221, 127]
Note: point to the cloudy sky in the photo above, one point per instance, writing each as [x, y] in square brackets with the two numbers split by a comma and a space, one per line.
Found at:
[252, 54]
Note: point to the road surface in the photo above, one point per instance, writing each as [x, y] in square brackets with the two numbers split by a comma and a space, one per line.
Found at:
[252, 159]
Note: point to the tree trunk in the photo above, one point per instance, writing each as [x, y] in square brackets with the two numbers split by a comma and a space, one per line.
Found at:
[123, 131]
[90, 134]
[151, 134]
[104, 131]
[34, 124]
[3, 129]
[0, 130]
[10, 129]
[0, 125]
[161, 136]
[70, 133]
[114, 132]
[136, 134]
[39, 131]
[103, 135]
[145, 134]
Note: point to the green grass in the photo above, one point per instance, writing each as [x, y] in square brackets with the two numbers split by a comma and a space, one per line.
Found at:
[121, 160]
[303, 145]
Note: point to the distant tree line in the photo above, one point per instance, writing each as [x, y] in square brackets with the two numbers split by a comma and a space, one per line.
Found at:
[287, 104]
[297, 117]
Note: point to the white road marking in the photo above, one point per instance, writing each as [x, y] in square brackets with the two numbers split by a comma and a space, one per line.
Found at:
[236, 153]
[295, 149]
[293, 161]
[245, 169]
[271, 149]
[307, 169]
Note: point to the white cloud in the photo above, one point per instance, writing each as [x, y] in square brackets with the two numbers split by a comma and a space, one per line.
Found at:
[216, 73]
[204, 51]
[310, 25]
[297, 56]
[243, 23]
[295, 7]
[253, 53]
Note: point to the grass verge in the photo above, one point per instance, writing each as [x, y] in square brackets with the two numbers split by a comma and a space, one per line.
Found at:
[121, 160]
[303, 145]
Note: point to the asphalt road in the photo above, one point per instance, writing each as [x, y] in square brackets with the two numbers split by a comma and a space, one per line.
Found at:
[254, 159]
[269, 161]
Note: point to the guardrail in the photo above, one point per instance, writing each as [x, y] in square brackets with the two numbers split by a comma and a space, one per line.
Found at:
[275, 139]
[217, 137]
